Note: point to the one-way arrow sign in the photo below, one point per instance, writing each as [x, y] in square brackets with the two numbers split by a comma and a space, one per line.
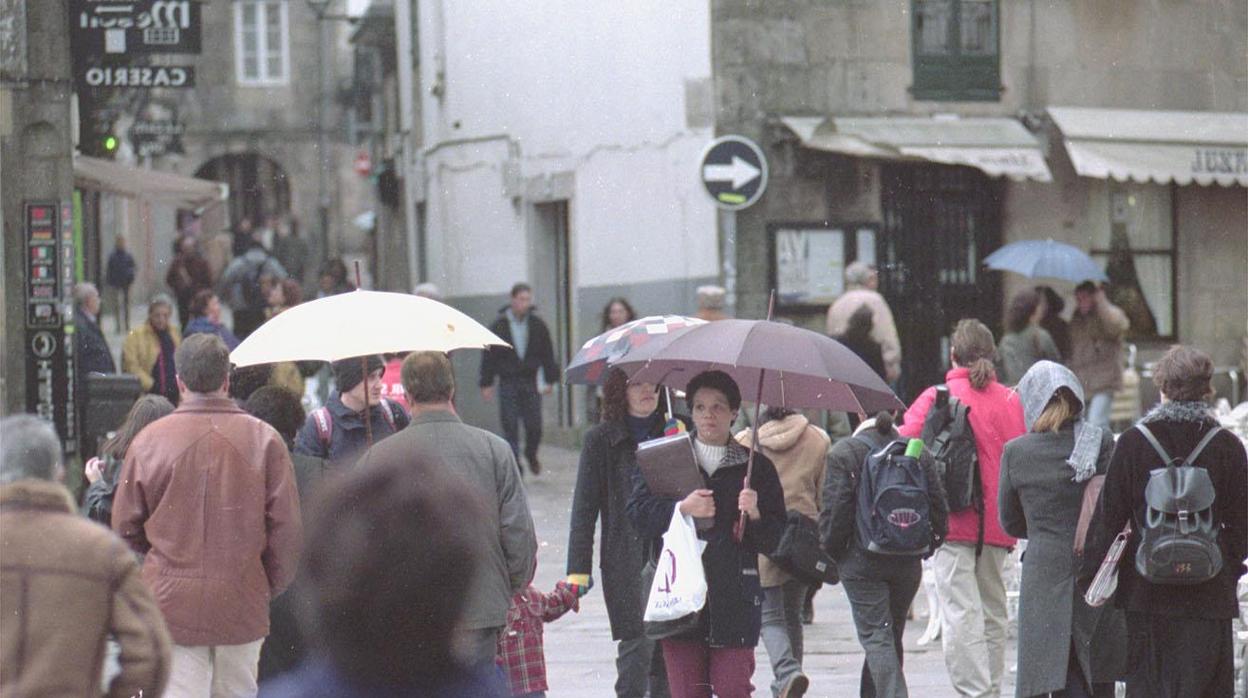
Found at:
[734, 172]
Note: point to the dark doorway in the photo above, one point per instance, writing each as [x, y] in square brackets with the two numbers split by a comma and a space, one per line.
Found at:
[939, 223]
[259, 186]
[551, 258]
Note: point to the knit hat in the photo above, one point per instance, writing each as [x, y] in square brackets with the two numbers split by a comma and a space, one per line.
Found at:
[347, 372]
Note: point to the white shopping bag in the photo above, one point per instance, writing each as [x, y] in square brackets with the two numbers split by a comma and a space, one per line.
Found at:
[679, 586]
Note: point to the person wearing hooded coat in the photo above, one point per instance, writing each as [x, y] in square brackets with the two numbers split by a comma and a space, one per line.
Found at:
[348, 435]
[799, 451]
[1063, 644]
[604, 480]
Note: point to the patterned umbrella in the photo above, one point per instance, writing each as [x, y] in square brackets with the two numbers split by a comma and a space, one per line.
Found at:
[590, 364]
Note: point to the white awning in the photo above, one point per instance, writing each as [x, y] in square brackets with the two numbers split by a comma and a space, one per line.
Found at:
[1157, 146]
[998, 146]
[150, 185]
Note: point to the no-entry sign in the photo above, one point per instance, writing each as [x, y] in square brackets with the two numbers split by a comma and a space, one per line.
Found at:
[734, 172]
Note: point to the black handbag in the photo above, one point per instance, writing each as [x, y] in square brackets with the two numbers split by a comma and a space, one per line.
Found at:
[801, 554]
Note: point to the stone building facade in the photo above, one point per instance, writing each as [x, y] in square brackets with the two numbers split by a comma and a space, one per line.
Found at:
[923, 134]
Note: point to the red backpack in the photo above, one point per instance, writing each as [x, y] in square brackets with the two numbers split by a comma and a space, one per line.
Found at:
[325, 422]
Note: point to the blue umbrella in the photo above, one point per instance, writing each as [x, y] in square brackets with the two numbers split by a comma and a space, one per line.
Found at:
[1048, 259]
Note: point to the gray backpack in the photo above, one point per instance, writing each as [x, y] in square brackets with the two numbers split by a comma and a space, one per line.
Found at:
[1179, 538]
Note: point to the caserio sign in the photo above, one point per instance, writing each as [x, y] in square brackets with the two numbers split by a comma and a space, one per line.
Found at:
[117, 28]
[136, 76]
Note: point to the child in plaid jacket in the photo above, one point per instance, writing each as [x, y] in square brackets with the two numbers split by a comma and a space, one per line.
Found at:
[520, 651]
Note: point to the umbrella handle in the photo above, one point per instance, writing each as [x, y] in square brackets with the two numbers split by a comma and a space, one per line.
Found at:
[738, 531]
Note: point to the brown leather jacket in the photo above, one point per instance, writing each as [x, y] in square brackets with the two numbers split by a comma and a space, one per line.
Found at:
[65, 584]
[208, 495]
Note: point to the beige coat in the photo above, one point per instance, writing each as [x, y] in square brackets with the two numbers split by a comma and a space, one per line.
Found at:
[799, 450]
[66, 583]
[883, 330]
[1096, 348]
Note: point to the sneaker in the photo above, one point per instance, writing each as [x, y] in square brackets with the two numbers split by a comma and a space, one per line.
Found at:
[535, 465]
[796, 687]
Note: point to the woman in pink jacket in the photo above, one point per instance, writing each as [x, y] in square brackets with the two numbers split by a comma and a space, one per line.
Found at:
[969, 580]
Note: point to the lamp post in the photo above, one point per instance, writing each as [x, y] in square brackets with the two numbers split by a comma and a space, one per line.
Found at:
[321, 9]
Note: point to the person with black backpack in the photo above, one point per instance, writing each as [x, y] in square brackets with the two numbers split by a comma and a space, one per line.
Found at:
[966, 435]
[883, 513]
[1181, 482]
[242, 285]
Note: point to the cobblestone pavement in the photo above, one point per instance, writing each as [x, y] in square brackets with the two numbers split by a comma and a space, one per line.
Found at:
[580, 654]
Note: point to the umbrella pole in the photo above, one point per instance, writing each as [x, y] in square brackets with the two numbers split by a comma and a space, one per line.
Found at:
[738, 532]
[368, 418]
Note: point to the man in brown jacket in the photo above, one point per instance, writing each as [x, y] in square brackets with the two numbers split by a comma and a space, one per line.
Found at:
[66, 584]
[1096, 331]
[208, 495]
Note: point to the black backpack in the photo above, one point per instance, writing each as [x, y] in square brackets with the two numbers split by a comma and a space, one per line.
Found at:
[1179, 538]
[893, 512]
[947, 433]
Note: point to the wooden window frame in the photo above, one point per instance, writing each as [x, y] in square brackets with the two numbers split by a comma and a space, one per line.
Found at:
[262, 78]
[955, 77]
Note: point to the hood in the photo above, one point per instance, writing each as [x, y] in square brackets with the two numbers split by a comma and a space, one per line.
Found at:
[37, 494]
[778, 434]
[1039, 384]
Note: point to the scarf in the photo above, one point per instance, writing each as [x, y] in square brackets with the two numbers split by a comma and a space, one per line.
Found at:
[1037, 388]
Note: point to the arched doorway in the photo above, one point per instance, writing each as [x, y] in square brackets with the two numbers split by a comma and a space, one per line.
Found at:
[259, 187]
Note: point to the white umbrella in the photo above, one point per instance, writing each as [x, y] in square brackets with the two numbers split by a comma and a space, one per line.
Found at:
[361, 323]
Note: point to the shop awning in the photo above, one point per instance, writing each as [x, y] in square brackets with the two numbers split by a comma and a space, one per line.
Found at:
[998, 146]
[1157, 146]
[149, 185]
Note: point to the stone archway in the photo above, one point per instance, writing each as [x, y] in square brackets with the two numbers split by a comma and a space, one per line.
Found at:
[259, 186]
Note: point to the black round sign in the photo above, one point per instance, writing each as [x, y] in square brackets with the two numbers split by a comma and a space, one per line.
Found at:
[734, 172]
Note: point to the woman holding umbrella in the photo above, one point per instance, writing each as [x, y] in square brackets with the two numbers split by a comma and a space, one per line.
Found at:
[604, 480]
[718, 655]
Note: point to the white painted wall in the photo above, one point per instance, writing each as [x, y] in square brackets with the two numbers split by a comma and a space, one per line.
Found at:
[597, 90]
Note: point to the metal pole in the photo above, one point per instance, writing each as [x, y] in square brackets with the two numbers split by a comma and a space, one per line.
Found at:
[322, 185]
[407, 137]
[728, 259]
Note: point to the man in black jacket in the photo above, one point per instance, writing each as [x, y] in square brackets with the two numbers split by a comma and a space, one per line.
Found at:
[516, 367]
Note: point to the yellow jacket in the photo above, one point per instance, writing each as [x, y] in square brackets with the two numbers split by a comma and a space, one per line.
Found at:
[139, 352]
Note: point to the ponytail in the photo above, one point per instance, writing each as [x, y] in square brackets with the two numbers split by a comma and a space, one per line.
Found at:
[974, 349]
[982, 373]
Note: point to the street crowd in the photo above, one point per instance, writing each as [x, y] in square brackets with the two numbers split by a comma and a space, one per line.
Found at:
[377, 545]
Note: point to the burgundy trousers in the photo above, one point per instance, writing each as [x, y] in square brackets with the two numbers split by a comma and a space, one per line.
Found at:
[696, 670]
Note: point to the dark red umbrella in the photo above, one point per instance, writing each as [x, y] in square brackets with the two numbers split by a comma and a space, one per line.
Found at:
[773, 363]
[799, 368]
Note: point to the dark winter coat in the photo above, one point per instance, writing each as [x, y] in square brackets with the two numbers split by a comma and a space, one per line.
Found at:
[866, 349]
[1179, 426]
[1040, 501]
[120, 272]
[90, 347]
[604, 481]
[505, 364]
[732, 616]
[97, 503]
[349, 437]
[840, 506]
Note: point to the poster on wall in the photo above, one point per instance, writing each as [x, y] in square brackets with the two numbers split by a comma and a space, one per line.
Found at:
[810, 265]
[49, 249]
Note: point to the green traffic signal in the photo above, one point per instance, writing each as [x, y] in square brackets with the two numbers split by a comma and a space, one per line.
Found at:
[110, 143]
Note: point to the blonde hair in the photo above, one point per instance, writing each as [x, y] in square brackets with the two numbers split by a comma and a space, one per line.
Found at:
[1062, 409]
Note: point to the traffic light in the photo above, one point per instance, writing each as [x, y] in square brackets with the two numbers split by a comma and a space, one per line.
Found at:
[97, 135]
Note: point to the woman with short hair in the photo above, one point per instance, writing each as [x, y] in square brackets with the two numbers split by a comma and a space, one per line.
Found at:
[1025, 341]
[1064, 646]
[1180, 640]
[718, 654]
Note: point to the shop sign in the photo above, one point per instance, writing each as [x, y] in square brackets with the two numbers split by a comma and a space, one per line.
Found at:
[120, 28]
[135, 76]
[50, 361]
[157, 132]
[1220, 161]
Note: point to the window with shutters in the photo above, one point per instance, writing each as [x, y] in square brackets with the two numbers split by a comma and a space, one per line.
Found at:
[956, 47]
[261, 42]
